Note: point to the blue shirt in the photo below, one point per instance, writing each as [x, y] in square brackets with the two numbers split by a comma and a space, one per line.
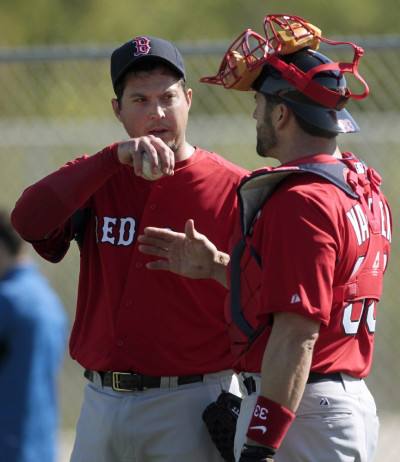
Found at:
[33, 329]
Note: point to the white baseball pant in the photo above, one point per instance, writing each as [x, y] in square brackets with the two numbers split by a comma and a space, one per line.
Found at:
[158, 424]
[335, 422]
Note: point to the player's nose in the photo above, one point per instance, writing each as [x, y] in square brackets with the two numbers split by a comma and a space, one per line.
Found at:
[156, 110]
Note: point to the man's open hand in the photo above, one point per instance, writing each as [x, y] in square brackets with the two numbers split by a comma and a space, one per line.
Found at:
[188, 254]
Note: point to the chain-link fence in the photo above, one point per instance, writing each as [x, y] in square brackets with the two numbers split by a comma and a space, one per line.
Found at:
[55, 104]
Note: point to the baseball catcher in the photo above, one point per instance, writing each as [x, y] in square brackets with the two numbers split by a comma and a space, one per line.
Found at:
[310, 252]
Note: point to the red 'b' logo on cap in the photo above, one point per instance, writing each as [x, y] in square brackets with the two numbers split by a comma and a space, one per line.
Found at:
[142, 45]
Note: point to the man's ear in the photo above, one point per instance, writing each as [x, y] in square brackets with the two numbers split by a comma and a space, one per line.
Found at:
[281, 115]
[188, 96]
[116, 108]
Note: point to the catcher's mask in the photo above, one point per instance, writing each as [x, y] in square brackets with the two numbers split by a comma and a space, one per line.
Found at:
[285, 63]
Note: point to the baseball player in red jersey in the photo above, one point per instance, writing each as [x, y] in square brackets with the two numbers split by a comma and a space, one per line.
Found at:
[153, 345]
[307, 261]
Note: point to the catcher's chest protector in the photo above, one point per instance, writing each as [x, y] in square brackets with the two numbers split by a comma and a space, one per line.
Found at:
[355, 180]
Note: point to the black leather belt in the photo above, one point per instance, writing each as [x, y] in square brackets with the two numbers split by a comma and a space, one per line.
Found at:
[313, 377]
[130, 381]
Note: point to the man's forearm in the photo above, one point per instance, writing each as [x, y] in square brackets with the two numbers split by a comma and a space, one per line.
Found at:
[287, 359]
[46, 205]
[284, 372]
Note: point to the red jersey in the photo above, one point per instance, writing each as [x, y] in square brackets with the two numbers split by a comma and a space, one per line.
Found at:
[129, 318]
[307, 241]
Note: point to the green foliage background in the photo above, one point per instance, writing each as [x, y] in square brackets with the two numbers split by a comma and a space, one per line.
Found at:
[100, 21]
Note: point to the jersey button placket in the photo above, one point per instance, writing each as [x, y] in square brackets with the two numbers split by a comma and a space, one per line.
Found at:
[136, 264]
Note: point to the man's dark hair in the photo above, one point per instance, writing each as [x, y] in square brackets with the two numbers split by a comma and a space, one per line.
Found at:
[147, 65]
[273, 100]
[8, 236]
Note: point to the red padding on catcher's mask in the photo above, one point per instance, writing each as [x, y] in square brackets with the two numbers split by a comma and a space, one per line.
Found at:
[285, 34]
[304, 83]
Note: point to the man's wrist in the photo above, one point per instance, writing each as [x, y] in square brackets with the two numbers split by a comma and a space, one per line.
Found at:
[269, 423]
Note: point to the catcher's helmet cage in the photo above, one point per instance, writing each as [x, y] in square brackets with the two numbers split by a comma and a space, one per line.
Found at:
[333, 120]
[286, 61]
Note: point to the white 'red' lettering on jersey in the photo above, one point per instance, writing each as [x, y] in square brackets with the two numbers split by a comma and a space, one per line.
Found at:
[126, 231]
[107, 230]
[117, 231]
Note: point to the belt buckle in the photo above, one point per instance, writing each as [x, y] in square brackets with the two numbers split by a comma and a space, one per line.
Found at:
[116, 381]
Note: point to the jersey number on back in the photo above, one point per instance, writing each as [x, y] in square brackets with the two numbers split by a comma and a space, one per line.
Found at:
[363, 310]
[353, 316]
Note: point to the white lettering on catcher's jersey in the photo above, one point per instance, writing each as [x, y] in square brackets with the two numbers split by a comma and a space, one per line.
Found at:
[359, 222]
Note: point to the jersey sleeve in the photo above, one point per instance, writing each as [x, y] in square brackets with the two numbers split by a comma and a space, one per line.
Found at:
[300, 247]
[42, 215]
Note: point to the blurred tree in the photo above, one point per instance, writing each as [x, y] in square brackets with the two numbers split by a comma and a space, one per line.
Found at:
[108, 21]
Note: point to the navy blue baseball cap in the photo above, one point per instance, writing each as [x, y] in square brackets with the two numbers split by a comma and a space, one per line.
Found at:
[142, 48]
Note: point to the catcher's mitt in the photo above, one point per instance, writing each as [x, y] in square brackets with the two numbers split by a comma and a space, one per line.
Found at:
[220, 418]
